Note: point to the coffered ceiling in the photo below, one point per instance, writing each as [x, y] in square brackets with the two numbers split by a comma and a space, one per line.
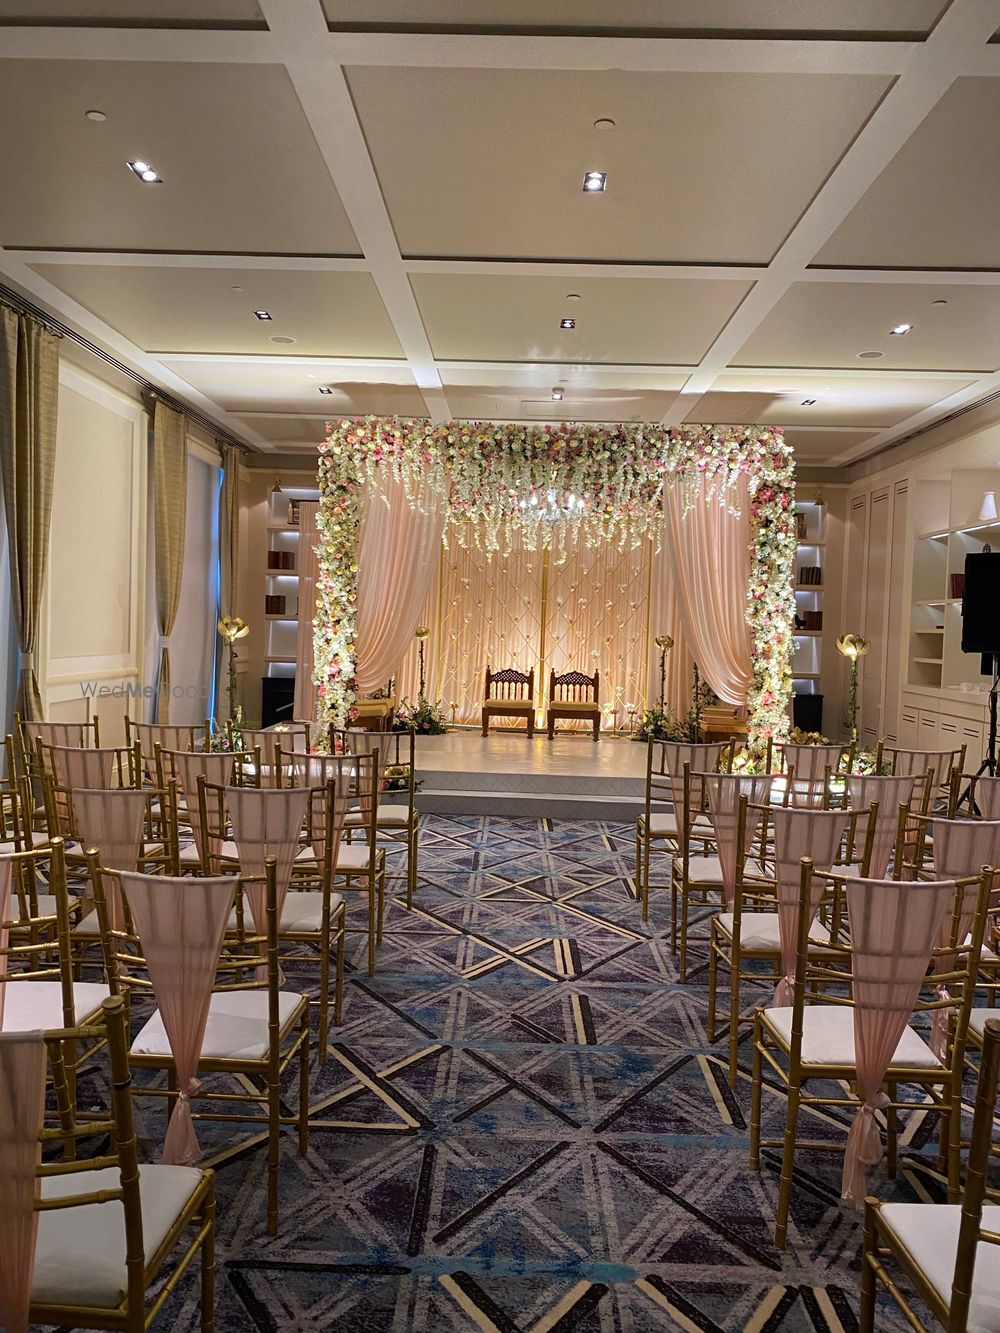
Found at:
[398, 183]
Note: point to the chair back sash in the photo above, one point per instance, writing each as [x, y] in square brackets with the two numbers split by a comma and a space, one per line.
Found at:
[724, 791]
[267, 821]
[22, 1107]
[797, 833]
[890, 792]
[113, 821]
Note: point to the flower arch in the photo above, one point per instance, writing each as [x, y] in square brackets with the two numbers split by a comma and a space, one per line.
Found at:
[554, 485]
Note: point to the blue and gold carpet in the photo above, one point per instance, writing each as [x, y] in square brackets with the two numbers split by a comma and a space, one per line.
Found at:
[521, 1127]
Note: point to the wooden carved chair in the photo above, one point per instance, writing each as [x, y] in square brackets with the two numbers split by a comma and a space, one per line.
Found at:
[509, 693]
[576, 696]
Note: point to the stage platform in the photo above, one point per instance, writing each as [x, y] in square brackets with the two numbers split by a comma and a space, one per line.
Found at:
[505, 773]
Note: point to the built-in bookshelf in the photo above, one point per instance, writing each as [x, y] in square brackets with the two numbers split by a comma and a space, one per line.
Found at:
[808, 584]
[280, 609]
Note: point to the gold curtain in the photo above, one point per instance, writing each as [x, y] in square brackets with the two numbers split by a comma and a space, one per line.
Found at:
[170, 506]
[29, 404]
[600, 608]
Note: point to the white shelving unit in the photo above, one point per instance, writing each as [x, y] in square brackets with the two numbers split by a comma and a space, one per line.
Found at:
[810, 552]
[281, 627]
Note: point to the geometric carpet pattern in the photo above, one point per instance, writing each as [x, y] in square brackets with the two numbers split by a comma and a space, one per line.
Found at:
[521, 1127]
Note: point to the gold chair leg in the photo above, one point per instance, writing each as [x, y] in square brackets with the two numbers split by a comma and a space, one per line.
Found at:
[891, 1134]
[411, 868]
[756, 1089]
[324, 996]
[371, 923]
[273, 1151]
[338, 1003]
[208, 1263]
[645, 877]
[713, 976]
[682, 966]
[304, 1086]
[734, 1014]
[870, 1251]
[787, 1167]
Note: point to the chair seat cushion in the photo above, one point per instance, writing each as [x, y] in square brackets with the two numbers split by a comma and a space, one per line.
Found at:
[389, 816]
[237, 1026]
[300, 912]
[664, 824]
[80, 1254]
[37, 839]
[568, 706]
[188, 855]
[511, 707]
[32, 1006]
[351, 856]
[929, 1231]
[701, 869]
[46, 903]
[828, 1038]
[759, 930]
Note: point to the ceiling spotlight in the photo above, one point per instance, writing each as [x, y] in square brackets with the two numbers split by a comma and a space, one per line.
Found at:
[567, 323]
[604, 123]
[870, 356]
[808, 402]
[325, 388]
[595, 181]
[573, 296]
[558, 393]
[261, 314]
[237, 288]
[900, 329]
[95, 115]
[939, 301]
[282, 338]
[145, 172]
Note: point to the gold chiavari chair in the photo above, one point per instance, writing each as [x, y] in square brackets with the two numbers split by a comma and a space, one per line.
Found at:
[267, 742]
[808, 773]
[255, 1030]
[17, 830]
[853, 1005]
[397, 821]
[950, 1253]
[939, 763]
[657, 828]
[28, 732]
[108, 1228]
[180, 769]
[362, 865]
[697, 887]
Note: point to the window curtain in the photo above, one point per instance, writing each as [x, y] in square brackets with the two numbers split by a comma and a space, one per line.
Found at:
[170, 504]
[305, 688]
[229, 551]
[397, 559]
[195, 637]
[709, 550]
[29, 398]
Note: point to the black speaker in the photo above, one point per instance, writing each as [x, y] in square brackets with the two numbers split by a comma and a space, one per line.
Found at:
[981, 603]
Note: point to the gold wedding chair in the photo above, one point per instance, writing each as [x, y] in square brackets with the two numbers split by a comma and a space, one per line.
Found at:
[950, 1253]
[267, 743]
[28, 732]
[395, 821]
[509, 693]
[941, 764]
[256, 1030]
[108, 1229]
[574, 696]
[179, 770]
[886, 961]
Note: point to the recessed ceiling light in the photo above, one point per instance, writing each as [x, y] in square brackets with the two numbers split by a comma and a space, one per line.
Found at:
[261, 314]
[900, 329]
[145, 172]
[282, 338]
[939, 301]
[567, 323]
[95, 115]
[808, 402]
[236, 289]
[558, 393]
[870, 356]
[604, 123]
[325, 388]
[595, 181]
[573, 296]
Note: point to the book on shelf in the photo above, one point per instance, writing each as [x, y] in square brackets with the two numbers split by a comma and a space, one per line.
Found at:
[281, 559]
[811, 575]
[274, 604]
[957, 585]
[293, 513]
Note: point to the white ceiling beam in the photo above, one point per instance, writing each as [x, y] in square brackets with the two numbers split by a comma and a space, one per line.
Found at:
[185, 259]
[222, 46]
[300, 30]
[931, 69]
[984, 385]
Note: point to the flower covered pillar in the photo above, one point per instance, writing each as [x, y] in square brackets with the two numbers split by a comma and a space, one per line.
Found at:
[551, 486]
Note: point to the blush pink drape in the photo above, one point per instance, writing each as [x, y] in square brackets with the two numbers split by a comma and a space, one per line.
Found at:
[724, 791]
[305, 687]
[112, 820]
[710, 551]
[180, 923]
[215, 767]
[894, 925]
[74, 767]
[397, 558]
[22, 1106]
[330, 775]
[266, 822]
[890, 793]
[987, 796]
[807, 765]
[6, 877]
[799, 833]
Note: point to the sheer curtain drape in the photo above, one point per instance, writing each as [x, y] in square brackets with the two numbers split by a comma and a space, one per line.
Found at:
[397, 559]
[170, 504]
[194, 637]
[709, 550]
[305, 686]
[229, 551]
[29, 404]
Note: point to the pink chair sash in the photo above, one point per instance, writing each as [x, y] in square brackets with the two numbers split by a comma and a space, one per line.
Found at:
[893, 928]
[915, 763]
[890, 793]
[75, 734]
[75, 767]
[810, 763]
[167, 737]
[6, 877]
[269, 743]
[724, 791]
[22, 1105]
[215, 767]
[180, 923]
[267, 822]
[987, 795]
[112, 821]
[799, 833]
[316, 772]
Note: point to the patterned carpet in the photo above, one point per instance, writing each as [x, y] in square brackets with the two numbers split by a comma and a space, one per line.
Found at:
[521, 1128]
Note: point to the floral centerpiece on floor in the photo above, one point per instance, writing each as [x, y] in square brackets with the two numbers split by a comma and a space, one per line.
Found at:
[423, 717]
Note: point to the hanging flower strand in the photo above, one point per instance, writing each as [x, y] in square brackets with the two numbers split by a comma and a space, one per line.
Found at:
[550, 487]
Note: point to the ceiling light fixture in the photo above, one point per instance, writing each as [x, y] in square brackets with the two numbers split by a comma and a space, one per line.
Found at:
[594, 182]
[558, 393]
[281, 338]
[900, 329]
[261, 314]
[145, 172]
[567, 323]
[604, 123]
[808, 402]
[939, 301]
[870, 356]
[95, 115]
[276, 488]
[573, 296]
[325, 388]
